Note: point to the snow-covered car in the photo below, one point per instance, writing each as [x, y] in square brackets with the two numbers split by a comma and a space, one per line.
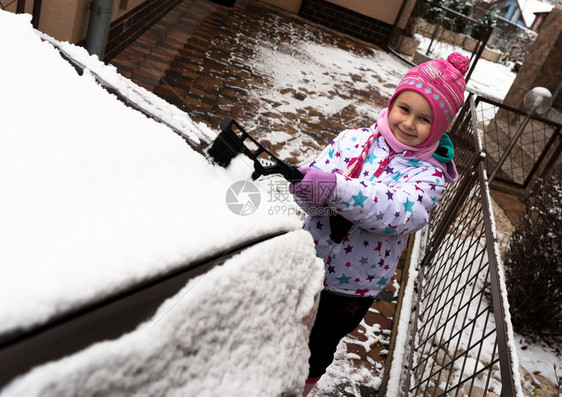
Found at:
[124, 269]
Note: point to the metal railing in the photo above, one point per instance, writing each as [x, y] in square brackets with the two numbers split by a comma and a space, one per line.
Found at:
[536, 139]
[460, 337]
[4, 5]
[440, 26]
[20, 9]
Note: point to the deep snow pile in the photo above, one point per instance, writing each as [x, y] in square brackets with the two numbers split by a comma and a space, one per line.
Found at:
[236, 330]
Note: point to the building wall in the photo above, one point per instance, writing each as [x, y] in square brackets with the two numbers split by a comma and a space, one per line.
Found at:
[542, 64]
[289, 5]
[67, 20]
[382, 10]
[371, 20]
[132, 23]
[511, 11]
[385, 11]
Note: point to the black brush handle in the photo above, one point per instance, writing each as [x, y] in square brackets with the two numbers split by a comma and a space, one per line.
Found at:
[339, 226]
[292, 174]
[229, 144]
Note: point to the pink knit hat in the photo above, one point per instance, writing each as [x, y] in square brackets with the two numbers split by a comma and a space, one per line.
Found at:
[442, 84]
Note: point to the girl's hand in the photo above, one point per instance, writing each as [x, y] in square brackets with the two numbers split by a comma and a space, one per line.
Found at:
[315, 188]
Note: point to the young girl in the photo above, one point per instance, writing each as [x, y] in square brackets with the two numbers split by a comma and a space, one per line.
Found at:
[385, 180]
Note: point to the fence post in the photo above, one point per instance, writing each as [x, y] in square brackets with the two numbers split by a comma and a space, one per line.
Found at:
[478, 51]
[36, 13]
[20, 7]
[502, 332]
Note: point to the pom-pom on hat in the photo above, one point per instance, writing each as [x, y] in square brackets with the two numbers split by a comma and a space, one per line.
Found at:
[442, 84]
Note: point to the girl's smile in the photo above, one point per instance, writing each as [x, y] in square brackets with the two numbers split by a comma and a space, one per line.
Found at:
[410, 118]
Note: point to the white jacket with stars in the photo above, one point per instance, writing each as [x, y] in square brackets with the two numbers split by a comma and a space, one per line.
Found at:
[390, 199]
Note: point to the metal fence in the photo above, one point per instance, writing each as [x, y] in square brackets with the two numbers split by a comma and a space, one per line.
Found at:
[536, 141]
[460, 337]
[19, 7]
[434, 30]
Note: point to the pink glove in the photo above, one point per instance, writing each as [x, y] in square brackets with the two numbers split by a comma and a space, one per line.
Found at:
[315, 188]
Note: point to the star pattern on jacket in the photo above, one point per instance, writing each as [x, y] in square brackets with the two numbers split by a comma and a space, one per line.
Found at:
[388, 200]
[359, 199]
[344, 279]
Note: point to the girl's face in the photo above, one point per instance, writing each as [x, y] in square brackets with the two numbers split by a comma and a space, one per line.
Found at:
[410, 118]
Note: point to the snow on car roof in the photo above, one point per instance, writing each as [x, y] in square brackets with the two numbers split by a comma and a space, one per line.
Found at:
[96, 196]
[236, 330]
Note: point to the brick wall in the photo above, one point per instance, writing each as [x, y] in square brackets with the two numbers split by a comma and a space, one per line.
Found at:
[346, 21]
[126, 29]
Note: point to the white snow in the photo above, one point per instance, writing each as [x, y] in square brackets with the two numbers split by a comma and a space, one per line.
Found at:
[96, 196]
[327, 76]
[321, 68]
[398, 359]
[530, 7]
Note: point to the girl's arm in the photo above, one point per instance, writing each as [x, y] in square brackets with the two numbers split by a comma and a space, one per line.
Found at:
[398, 208]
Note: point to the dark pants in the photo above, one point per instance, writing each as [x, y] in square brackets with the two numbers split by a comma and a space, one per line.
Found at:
[337, 316]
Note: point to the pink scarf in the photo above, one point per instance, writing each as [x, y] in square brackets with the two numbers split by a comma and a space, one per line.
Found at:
[421, 151]
[382, 128]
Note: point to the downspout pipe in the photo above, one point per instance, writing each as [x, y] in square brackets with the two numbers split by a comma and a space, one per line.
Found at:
[98, 26]
[20, 7]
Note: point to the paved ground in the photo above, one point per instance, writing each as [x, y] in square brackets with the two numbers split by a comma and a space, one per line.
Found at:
[201, 57]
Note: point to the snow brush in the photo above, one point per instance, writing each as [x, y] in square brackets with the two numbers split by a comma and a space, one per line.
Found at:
[230, 144]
